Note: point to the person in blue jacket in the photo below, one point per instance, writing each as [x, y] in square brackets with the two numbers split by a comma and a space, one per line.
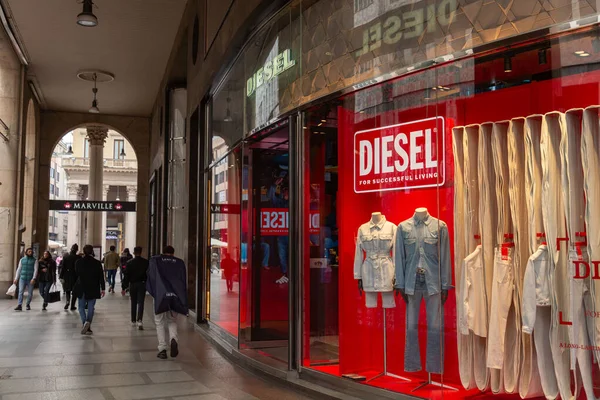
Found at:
[167, 284]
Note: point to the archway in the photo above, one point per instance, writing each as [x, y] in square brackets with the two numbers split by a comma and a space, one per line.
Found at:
[69, 180]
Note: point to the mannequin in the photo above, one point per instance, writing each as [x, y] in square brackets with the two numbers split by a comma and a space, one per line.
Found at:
[376, 219]
[423, 274]
[373, 264]
[420, 213]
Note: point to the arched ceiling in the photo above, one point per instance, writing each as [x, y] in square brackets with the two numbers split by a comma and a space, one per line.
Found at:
[133, 40]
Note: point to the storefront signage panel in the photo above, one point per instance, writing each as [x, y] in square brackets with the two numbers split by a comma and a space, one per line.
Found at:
[75, 205]
[400, 157]
[225, 208]
[272, 68]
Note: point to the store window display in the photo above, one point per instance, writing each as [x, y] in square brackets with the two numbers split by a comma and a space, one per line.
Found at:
[486, 176]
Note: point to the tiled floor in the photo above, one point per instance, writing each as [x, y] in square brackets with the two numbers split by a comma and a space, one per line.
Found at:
[44, 357]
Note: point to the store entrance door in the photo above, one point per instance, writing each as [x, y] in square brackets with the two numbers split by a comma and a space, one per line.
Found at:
[265, 236]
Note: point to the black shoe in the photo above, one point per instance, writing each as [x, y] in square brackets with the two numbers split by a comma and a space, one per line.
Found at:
[89, 332]
[73, 308]
[28, 307]
[44, 307]
[174, 348]
[19, 308]
[66, 306]
[162, 355]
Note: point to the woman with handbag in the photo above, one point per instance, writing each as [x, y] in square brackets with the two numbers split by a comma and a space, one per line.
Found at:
[46, 276]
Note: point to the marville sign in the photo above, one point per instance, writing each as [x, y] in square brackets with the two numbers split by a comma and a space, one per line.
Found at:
[80, 205]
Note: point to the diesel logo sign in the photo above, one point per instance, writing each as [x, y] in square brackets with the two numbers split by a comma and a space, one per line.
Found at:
[400, 157]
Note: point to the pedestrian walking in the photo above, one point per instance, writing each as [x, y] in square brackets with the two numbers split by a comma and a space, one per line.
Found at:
[46, 276]
[125, 257]
[68, 276]
[90, 286]
[228, 266]
[25, 277]
[167, 284]
[111, 264]
[134, 278]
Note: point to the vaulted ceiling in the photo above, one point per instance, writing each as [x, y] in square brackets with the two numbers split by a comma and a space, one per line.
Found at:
[133, 41]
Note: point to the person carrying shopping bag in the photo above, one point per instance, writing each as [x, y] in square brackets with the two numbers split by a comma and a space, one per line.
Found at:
[46, 276]
[25, 277]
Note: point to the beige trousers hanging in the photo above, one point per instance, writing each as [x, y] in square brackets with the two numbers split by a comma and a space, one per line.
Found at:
[464, 342]
[529, 379]
[533, 183]
[554, 223]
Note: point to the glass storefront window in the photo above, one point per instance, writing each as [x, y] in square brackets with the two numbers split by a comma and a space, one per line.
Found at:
[225, 247]
[450, 228]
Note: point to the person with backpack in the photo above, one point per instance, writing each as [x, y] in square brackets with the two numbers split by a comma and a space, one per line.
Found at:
[124, 259]
[25, 277]
[68, 276]
[46, 276]
[167, 284]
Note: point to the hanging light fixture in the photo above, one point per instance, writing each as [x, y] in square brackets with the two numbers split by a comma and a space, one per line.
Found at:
[122, 153]
[507, 63]
[228, 113]
[94, 109]
[69, 151]
[87, 17]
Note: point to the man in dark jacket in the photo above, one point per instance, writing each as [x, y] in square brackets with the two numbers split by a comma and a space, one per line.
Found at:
[167, 284]
[68, 276]
[89, 287]
[134, 278]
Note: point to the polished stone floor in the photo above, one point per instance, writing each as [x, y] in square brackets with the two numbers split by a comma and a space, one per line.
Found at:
[44, 357]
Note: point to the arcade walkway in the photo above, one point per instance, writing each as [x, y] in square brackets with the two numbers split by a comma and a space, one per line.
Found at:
[43, 356]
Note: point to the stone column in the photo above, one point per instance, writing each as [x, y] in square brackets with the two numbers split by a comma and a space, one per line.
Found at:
[74, 228]
[96, 136]
[10, 148]
[130, 221]
[105, 190]
[82, 216]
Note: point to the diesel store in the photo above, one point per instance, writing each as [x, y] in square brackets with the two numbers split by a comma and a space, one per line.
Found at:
[400, 196]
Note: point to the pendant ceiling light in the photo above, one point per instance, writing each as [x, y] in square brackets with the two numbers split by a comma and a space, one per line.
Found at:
[70, 151]
[94, 109]
[122, 154]
[87, 17]
[228, 112]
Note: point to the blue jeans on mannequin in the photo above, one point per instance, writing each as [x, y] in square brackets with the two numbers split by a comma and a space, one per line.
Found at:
[112, 274]
[90, 311]
[433, 306]
[22, 285]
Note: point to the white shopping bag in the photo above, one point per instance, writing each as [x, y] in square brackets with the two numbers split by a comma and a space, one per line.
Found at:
[12, 290]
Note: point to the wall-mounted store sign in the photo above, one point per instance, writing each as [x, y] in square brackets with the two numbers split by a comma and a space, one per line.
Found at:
[225, 208]
[77, 205]
[112, 235]
[400, 157]
[272, 68]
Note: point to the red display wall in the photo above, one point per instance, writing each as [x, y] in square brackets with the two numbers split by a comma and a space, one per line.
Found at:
[361, 329]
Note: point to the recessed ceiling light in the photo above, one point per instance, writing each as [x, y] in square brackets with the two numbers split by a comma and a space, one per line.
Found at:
[584, 55]
[578, 52]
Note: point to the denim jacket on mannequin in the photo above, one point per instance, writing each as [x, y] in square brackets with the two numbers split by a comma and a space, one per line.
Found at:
[376, 266]
[425, 239]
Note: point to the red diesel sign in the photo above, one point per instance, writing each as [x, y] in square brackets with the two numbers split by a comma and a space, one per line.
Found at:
[399, 157]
